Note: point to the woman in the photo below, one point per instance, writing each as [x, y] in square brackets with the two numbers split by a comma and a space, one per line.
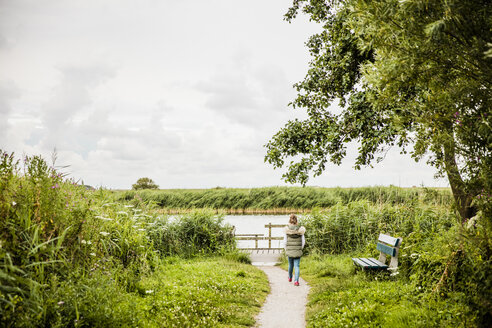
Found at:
[294, 243]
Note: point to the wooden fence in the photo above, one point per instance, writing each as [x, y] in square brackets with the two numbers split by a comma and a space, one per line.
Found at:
[257, 236]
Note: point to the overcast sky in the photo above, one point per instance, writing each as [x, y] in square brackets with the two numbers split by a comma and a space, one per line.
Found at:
[185, 92]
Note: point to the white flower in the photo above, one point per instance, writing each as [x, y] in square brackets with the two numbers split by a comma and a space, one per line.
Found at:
[128, 206]
[150, 291]
[92, 254]
[103, 218]
[104, 233]
[83, 241]
[14, 203]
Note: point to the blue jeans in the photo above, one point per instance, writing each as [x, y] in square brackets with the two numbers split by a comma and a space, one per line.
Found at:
[294, 263]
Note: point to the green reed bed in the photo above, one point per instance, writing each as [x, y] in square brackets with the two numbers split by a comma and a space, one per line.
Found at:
[266, 199]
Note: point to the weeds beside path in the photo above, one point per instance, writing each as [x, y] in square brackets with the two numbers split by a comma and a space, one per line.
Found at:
[286, 304]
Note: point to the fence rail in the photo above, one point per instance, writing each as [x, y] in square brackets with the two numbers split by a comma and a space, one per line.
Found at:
[260, 236]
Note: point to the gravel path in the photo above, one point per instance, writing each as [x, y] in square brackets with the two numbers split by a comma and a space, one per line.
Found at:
[286, 303]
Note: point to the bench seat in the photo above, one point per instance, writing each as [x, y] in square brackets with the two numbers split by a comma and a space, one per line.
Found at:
[386, 245]
[370, 263]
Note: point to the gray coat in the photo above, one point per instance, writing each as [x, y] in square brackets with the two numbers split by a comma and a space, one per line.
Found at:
[293, 245]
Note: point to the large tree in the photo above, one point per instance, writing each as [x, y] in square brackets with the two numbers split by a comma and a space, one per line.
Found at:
[407, 73]
[144, 183]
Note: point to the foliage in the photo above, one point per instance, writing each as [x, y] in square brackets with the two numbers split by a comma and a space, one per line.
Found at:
[192, 234]
[438, 255]
[356, 226]
[410, 74]
[72, 257]
[282, 197]
[144, 183]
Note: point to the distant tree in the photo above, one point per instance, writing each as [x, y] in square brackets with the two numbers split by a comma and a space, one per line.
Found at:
[412, 74]
[145, 183]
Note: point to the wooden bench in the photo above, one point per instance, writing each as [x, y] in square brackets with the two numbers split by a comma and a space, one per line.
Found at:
[387, 245]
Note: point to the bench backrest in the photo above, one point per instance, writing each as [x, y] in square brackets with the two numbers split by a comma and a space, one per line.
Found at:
[388, 245]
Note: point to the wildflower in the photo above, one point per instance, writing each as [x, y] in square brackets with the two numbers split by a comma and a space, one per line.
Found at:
[92, 254]
[60, 303]
[14, 203]
[150, 291]
[83, 241]
[103, 218]
[104, 233]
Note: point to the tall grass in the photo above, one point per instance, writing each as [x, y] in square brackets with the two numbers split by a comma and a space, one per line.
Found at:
[281, 199]
[347, 228]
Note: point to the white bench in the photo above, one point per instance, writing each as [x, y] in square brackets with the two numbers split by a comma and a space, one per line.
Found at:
[387, 245]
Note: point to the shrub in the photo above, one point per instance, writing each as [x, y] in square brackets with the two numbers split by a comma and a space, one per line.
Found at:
[198, 232]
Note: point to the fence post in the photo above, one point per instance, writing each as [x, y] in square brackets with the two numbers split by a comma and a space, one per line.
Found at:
[270, 235]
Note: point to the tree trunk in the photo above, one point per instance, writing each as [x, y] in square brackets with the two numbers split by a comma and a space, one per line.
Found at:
[462, 196]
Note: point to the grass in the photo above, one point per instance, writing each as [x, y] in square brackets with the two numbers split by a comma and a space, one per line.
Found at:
[341, 297]
[204, 292]
[199, 292]
[280, 200]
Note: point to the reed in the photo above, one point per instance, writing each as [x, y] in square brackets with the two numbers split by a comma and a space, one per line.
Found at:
[281, 200]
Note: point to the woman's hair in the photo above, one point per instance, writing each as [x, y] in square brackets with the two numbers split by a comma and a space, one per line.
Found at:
[293, 219]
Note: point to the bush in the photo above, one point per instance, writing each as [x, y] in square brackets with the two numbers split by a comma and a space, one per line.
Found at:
[199, 232]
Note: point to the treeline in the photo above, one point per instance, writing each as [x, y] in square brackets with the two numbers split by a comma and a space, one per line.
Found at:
[283, 197]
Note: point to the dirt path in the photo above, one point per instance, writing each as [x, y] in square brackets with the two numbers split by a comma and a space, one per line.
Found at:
[286, 304]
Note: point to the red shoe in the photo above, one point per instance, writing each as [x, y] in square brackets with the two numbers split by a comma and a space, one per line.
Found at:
[296, 283]
[290, 279]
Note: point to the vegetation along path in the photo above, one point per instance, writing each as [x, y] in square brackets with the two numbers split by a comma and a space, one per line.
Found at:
[285, 306]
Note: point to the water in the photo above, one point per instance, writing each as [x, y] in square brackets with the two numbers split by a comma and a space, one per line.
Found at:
[249, 224]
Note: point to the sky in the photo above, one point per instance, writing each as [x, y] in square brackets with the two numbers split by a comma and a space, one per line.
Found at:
[184, 92]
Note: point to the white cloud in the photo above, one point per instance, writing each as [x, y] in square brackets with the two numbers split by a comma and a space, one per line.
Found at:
[185, 92]
[8, 92]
